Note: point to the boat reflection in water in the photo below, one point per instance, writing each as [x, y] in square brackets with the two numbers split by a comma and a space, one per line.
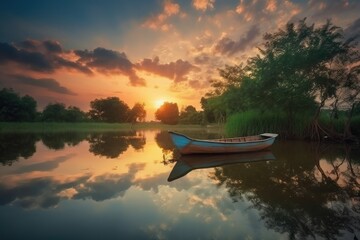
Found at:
[186, 163]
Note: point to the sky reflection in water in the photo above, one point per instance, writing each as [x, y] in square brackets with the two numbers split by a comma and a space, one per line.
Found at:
[114, 185]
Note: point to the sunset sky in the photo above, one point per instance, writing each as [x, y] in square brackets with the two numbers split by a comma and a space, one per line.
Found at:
[141, 50]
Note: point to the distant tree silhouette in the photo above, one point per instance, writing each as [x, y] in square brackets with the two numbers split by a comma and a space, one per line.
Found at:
[54, 112]
[137, 113]
[189, 115]
[57, 112]
[168, 113]
[14, 108]
[110, 109]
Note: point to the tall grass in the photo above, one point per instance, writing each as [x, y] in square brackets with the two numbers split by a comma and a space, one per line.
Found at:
[255, 122]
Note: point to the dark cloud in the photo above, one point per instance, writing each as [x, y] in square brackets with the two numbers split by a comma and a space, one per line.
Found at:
[353, 31]
[35, 61]
[52, 46]
[25, 192]
[195, 84]
[229, 47]
[40, 192]
[44, 192]
[202, 58]
[176, 71]
[46, 83]
[105, 187]
[38, 56]
[49, 46]
[109, 61]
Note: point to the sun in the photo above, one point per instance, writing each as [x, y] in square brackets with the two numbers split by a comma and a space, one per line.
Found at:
[158, 103]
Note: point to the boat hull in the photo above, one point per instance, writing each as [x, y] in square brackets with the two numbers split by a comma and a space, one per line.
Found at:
[187, 145]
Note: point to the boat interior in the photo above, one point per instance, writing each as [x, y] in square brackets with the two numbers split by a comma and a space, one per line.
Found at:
[240, 139]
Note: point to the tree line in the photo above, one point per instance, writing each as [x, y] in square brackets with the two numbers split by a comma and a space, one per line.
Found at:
[169, 113]
[303, 73]
[14, 108]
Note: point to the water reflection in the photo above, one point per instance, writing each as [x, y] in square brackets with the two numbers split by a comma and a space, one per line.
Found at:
[14, 146]
[112, 144]
[118, 180]
[107, 144]
[58, 140]
[305, 193]
[187, 163]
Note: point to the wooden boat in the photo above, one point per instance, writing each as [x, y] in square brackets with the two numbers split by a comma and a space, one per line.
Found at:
[187, 163]
[187, 145]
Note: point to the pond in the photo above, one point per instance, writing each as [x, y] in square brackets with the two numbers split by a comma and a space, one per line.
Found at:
[129, 185]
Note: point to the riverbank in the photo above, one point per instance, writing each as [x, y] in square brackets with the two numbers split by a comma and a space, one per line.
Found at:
[255, 122]
[8, 127]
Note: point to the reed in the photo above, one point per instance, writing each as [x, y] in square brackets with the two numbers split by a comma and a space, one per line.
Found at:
[255, 122]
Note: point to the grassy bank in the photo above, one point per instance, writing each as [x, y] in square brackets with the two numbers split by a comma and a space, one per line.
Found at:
[94, 127]
[254, 122]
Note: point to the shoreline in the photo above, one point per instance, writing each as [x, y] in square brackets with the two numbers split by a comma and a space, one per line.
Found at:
[19, 127]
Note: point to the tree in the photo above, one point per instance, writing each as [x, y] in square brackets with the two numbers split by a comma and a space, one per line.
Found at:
[189, 115]
[54, 112]
[110, 109]
[168, 113]
[74, 114]
[137, 113]
[296, 70]
[14, 108]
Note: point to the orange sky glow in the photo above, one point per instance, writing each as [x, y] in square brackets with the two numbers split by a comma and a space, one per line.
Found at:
[166, 50]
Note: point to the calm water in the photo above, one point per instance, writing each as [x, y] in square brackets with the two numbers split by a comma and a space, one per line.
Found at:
[115, 186]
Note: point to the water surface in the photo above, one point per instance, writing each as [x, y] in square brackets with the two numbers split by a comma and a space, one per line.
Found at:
[115, 185]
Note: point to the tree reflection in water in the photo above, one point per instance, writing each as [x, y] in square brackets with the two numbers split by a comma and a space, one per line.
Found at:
[108, 144]
[112, 144]
[13, 146]
[309, 191]
[58, 140]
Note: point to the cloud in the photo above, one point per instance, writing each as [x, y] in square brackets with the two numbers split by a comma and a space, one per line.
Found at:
[44, 166]
[109, 61]
[324, 9]
[159, 22]
[176, 71]
[45, 192]
[353, 31]
[48, 56]
[33, 60]
[49, 46]
[202, 58]
[229, 47]
[271, 5]
[38, 56]
[203, 5]
[46, 83]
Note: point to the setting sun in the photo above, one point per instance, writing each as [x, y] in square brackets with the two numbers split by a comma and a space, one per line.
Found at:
[158, 103]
